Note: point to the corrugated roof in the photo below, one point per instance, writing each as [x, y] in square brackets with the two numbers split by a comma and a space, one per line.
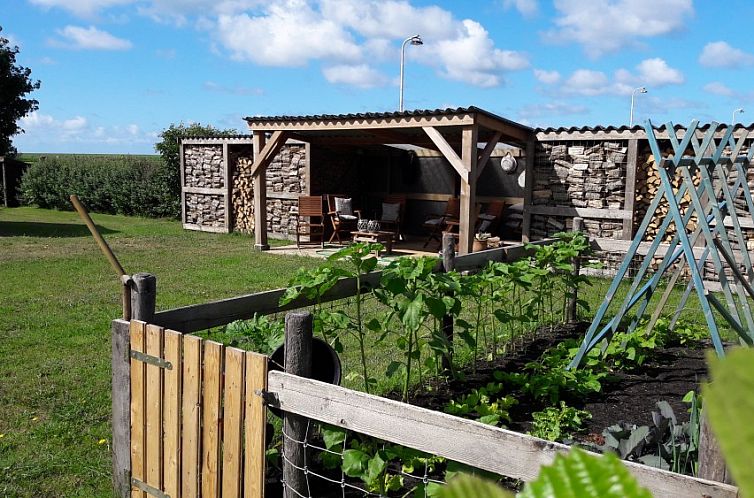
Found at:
[385, 115]
[624, 128]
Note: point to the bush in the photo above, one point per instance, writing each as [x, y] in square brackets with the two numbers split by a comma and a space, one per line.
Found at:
[128, 185]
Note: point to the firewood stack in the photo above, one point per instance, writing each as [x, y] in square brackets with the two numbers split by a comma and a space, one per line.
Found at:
[243, 196]
[647, 186]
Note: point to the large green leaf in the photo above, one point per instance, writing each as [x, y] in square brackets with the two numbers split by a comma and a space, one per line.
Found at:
[729, 402]
[578, 474]
[468, 486]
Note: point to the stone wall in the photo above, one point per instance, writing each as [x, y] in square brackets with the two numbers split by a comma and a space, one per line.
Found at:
[205, 210]
[579, 174]
[203, 165]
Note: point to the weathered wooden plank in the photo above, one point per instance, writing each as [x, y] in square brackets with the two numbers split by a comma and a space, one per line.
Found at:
[612, 245]
[605, 214]
[504, 452]
[212, 373]
[138, 406]
[204, 228]
[228, 184]
[255, 426]
[447, 151]
[203, 316]
[484, 156]
[182, 159]
[121, 406]
[259, 179]
[233, 406]
[509, 254]
[361, 123]
[531, 151]
[190, 416]
[205, 190]
[171, 415]
[468, 212]
[154, 409]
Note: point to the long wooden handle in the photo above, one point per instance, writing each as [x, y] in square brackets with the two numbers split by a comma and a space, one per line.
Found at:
[97, 236]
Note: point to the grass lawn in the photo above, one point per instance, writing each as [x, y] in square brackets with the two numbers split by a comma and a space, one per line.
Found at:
[57, 297]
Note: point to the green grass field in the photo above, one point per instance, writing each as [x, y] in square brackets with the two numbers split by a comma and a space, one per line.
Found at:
[57, 297]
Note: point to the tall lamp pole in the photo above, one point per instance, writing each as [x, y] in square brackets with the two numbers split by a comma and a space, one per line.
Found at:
[740, 110]
[641, 89]
[413, 40]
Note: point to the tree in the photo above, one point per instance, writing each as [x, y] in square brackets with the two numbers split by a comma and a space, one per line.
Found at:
[167, 147]
[15, 84]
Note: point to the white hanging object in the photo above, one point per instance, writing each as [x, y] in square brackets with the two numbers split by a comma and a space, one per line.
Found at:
[508, 164]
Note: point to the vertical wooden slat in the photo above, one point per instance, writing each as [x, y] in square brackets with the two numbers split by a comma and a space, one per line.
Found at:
[632, 159]
[171, 421]
[255, 426]
[121, 407]
[228, 184]
[154, 409]
[211, 391]
[138, 407]
[531, 150]
[190, 415]
[183, 181]
[467, 219]
[233, 406]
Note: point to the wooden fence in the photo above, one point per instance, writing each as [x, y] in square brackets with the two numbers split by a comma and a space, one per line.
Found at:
[189, 414]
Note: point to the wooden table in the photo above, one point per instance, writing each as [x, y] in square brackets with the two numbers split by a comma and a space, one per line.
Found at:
[383, 237]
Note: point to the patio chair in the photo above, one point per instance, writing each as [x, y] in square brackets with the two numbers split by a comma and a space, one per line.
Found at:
[392, 213]
[343, 217]
[310, 220]
[436, 224]
[489, 220]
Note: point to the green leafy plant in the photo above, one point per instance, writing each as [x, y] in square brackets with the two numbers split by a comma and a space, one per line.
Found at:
[259, 334]
[554, 424]
[484, 404]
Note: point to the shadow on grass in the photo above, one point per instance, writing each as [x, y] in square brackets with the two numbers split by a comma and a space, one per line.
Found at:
[36, 229]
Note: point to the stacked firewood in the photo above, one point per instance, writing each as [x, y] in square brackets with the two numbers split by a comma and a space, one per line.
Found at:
[243, 196]
[647, 187]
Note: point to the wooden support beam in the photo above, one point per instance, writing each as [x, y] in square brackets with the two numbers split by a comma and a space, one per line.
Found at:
[630, 203]
[260, 192]
[228, 184]
[468, 190]
[528, 190]
[268, 150]
[447, 151]
[484, 157]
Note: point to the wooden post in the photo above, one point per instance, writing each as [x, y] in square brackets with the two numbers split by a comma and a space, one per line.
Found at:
[711, 461]
[448, 264]
[143, 296]
[121, 408]
[531, 150]
[468, 189]
[298, 361]
[260, 196]
[5, 182]
[630, 201]
[573, 315]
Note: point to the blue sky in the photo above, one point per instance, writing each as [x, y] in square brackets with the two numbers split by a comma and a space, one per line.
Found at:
[116, 72]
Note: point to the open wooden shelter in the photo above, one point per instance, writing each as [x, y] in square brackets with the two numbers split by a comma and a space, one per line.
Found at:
[466, 137]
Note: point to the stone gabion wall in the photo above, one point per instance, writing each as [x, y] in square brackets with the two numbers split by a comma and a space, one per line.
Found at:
[579, 174]
[205, 210]
[203, 167]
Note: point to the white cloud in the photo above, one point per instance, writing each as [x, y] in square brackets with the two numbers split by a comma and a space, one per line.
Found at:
[81, 8]
[718, 88]
[606, 26]
[651, 72]
[547, 77]
[721, 54]
[471, 57]
[359, 75]
[91, 38]
[527, 8]
[588, 83]
[46, 129]
[289, 35]
[211, 86]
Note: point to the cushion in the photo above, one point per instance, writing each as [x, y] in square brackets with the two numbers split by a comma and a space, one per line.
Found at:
[390, 212]
[488, 217]
[484, 226]
[343, 206]
[347, 217]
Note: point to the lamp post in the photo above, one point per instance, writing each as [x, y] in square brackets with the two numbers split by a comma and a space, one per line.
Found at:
[740, 110]
[414, 40]
[641, 89]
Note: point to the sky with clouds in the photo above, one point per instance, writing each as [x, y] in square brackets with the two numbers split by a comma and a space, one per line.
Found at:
[116, 72]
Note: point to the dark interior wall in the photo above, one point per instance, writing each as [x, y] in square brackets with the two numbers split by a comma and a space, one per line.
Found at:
[495, 182]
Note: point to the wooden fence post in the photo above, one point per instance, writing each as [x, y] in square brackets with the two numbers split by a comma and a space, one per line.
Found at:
[298, 361]
[572, 312]
[448, 265]
[143, 296]
[711, 461]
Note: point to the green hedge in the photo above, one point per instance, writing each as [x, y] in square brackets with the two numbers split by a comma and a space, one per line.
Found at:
[129, 185]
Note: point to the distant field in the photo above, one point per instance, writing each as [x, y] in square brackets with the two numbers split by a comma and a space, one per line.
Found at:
[33, 157]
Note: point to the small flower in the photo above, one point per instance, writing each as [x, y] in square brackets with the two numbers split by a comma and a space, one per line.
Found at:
[34, 419]
[2, 436]
[102, 441]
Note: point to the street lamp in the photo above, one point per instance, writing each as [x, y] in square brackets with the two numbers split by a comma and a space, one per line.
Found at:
[414, 40]
[641, 89]
[737, 111]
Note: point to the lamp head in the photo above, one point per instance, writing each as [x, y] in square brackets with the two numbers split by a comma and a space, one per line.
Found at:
[642, 89]
[417, 40]
[739, 110]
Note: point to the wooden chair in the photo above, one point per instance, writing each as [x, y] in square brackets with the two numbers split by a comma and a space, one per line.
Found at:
[489, 220]
[436, 224]
[309, 209]
[390, 223]
[341, 220]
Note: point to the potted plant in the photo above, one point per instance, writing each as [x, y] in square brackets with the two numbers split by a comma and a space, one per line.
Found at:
[480, 241]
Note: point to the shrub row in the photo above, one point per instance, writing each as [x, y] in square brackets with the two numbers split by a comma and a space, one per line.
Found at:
[128, 185]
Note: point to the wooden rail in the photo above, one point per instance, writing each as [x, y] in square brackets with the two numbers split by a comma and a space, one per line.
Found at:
[503, 452]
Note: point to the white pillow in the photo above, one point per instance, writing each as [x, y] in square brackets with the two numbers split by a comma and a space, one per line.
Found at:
[343, 206]
[390, 212]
